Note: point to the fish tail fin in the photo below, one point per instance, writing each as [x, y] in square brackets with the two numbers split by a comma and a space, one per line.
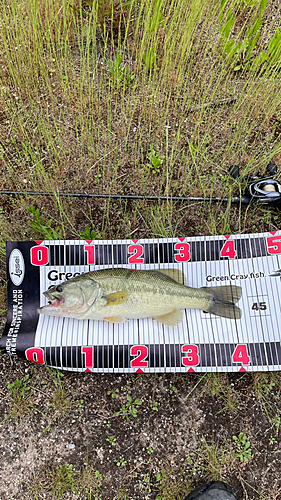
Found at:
[224, 300]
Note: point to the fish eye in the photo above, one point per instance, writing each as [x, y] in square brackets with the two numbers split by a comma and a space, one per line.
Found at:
[59, 288]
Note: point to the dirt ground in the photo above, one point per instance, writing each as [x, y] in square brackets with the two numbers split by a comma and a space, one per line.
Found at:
[57, 432]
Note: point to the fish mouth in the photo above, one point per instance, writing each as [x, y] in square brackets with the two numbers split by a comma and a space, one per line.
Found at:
[54, 301]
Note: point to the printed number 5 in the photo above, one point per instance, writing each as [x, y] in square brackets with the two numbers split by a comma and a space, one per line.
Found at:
[274, 245]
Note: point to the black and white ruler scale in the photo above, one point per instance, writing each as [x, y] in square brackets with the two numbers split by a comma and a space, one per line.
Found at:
[201, 342]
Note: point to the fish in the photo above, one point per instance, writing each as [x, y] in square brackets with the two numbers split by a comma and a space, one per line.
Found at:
[276, 273]
[119, 294]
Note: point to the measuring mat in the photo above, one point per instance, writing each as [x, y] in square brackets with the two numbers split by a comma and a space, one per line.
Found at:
[200, 342]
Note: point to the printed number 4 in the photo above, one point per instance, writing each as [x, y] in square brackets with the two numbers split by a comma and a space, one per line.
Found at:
[240, 355]
[228, 250]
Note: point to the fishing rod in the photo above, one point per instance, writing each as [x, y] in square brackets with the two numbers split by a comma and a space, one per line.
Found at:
[265, 190]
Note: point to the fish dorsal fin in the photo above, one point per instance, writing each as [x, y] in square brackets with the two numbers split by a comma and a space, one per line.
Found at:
[170, 319]
[174, 274]
[116, 298]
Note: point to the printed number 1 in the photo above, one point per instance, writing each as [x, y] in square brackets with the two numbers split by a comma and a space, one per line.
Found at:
[90, 249]
[89, 353]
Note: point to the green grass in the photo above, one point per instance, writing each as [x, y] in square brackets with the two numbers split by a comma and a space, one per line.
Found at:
[54, 483]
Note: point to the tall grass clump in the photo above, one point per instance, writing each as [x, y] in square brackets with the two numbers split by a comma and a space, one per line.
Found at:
[88, 88]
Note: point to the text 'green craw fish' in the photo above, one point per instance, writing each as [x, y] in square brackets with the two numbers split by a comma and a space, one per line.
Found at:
[120, 294]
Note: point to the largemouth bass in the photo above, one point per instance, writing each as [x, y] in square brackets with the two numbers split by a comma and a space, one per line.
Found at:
[117, 295]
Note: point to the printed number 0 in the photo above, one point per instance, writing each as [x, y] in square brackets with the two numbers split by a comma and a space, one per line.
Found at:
[35, 354]
[192, 357]
[141, 352]
[39, 256]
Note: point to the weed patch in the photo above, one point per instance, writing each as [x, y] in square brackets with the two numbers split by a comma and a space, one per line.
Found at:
[20, 393]
[243, 448]
[65, 479]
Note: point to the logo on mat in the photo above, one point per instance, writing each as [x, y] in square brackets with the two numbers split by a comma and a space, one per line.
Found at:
[16, 267]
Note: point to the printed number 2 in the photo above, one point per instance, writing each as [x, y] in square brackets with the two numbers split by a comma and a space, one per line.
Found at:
[141, 352]
[192, 357]
[240, 355]
[137, 251]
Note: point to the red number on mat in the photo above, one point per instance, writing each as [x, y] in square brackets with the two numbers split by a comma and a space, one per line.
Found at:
[137, 251]
[90, 249]
[35, 354]
[240, 355]
[183, 254]
[228, 250]
[39, 256]
[192, 357]
[274, 244]
[141, 351]
[88, 351]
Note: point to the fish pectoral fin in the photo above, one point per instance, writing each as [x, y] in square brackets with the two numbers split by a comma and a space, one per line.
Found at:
[116, 298]
[115, 319]
[170, 319]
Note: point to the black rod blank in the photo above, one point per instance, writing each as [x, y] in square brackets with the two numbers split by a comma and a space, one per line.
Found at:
[236, 199]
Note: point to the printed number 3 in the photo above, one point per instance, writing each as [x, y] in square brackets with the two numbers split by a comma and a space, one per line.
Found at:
[192, 357]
